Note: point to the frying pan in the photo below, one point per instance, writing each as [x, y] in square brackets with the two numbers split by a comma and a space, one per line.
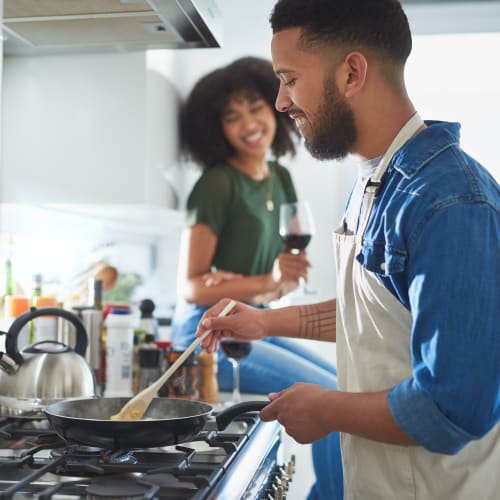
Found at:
[172, 421]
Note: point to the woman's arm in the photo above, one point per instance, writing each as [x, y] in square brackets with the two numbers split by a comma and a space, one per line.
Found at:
[198, 246]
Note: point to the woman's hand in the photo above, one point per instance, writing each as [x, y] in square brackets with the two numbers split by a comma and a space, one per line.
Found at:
[242, 323]
[290, 267]
[287, 270]
[214, 278]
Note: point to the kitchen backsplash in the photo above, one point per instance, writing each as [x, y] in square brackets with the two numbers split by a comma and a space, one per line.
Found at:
[66, 247]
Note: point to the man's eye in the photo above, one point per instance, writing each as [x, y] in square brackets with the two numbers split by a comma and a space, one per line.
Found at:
[290, 83]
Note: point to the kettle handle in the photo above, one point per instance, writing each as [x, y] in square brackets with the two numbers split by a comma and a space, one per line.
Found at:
[14, 330]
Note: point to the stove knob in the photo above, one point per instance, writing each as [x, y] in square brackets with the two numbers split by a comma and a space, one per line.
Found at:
[272, 491]
[290, 466]
[279, 493]
[285, 481]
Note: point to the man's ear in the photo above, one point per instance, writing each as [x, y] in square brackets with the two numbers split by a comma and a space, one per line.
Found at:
[355, 68]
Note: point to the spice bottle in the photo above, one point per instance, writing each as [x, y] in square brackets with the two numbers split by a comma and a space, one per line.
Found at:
[164, 346]
[148, 322]
[149, 362]
[138, 340]
[208, 387]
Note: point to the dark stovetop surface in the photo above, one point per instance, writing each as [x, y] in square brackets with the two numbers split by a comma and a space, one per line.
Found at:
[34, 461]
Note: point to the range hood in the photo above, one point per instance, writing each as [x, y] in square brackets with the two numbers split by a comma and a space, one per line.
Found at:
[32, 27]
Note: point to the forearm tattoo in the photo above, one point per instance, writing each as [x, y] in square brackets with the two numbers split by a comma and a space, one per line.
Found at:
[316, 322]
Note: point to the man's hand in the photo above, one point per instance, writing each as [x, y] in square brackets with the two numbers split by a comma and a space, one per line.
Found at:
[300, 409]
[242, 323]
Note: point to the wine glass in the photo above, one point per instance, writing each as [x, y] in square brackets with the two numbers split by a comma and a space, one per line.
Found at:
[235, 351]
[296, 228]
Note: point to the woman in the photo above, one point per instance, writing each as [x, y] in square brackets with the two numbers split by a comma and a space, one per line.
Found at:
[231, 246]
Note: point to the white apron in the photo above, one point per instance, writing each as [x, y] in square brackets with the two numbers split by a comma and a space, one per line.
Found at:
[373, 354]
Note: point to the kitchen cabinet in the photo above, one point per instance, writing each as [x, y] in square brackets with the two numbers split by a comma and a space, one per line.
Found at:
[90, 128]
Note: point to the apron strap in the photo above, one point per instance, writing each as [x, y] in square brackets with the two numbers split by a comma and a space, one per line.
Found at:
[374, 183]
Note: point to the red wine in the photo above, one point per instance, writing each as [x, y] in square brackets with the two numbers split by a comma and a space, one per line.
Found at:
[296, 241]
[236, 349]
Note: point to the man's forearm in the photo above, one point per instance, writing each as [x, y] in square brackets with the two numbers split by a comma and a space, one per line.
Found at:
[312, 321]
[363, 414]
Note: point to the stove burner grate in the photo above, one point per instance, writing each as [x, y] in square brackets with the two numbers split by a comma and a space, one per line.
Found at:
[120, 488]
[41, 465]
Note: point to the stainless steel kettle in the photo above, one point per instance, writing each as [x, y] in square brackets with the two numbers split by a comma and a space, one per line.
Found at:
[44, 372]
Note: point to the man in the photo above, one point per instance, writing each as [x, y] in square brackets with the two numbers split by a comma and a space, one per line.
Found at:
[418, 261]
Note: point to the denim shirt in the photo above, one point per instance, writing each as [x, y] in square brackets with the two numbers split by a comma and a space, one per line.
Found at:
[433, 239]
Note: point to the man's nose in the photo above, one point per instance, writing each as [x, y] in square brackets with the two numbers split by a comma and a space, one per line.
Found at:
[283, 102]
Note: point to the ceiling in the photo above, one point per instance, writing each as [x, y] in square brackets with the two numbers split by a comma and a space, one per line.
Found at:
[453, 16]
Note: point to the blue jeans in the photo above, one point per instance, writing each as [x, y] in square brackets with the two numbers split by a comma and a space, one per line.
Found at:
[273, 364]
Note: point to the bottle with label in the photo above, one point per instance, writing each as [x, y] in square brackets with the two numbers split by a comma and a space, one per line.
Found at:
[36, 291]
[9, 274]
[119, 351]
[164, 328]
[149, 362]
[15, 305]
[44, 327]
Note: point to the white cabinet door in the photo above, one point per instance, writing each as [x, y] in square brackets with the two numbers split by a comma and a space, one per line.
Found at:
[84, 128]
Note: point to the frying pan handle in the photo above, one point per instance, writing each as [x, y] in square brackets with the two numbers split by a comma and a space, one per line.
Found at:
[224, 418]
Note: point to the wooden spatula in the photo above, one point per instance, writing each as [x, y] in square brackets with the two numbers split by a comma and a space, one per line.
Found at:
[135, 408]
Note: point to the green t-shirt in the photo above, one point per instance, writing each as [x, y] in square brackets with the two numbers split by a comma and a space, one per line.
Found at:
[234, 206]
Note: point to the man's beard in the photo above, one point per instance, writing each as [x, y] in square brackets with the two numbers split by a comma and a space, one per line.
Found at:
[335, 133]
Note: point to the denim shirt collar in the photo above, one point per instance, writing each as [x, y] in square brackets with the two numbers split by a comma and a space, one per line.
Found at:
[410, 159]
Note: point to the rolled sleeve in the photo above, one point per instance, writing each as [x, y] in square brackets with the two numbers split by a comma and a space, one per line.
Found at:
[452, 396]
[419, 416]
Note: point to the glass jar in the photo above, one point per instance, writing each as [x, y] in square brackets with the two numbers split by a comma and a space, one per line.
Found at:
[183, 383]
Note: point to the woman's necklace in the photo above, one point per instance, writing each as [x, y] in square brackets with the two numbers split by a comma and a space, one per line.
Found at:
[268, 194]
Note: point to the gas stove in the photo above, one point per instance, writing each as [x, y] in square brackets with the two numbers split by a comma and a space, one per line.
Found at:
[245, 461]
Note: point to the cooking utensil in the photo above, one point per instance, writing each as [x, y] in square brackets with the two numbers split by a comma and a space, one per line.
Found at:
[44, 372]
[108, 275]
[136, 407]
[167, 421]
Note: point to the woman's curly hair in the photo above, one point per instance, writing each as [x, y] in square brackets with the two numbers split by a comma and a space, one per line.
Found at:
[202, 137]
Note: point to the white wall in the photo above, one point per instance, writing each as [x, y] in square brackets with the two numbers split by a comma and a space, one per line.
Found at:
[450, 77]
[107, 119]
[456, 77]
[324, 184]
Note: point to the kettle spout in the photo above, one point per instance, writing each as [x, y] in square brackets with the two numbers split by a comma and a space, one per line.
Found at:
[7, 364]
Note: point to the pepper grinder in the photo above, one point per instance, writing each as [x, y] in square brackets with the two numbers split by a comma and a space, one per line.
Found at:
[208, 388]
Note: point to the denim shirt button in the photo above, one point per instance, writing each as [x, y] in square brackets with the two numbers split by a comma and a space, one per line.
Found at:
[382, 266]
